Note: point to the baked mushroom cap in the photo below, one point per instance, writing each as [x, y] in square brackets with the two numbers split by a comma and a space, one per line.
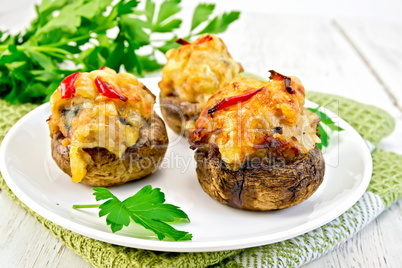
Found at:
[256, 144]
[264, 185]
[193, 73]
[102, 109]
[106, 169]
[179, 115]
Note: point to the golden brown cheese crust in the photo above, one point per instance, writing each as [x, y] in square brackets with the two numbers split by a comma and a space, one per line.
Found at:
[196, 70]
[273, 121]
[89, 119]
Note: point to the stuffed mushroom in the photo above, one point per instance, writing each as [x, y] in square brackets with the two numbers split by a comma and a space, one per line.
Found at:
[103, 128]
[256, 144]
[192, 74]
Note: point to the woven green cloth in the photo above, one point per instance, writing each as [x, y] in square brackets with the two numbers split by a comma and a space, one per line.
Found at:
[384, 189]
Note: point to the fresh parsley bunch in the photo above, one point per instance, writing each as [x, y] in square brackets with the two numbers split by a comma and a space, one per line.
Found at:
[147, 208]
[83, 35]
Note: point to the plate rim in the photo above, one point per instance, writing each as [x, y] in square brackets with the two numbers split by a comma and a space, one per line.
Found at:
[175, 246]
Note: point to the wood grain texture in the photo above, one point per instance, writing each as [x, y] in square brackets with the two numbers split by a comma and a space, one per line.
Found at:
[317, 52]
[377, 245]
[379, 43]
[310, 48]
[24, 242]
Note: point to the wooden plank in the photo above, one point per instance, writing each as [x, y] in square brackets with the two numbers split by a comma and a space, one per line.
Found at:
[308, 47]
[24, 242]
[377, 245]
[380, 44]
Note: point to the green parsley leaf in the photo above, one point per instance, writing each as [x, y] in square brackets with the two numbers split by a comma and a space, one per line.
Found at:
[131, 61]
[165, 21]
[147, 208]
[201, 14]
[126, 6]
[167, 9]
[134, 30]
[168, 45]
[68, 20]
[327, 121]
[149, 62]
[42, 59]
[219, 24]
[44, 76]
[168, 26]
[323, 136]
[149, 11]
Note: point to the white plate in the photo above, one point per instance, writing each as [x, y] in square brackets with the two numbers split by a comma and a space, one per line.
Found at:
[30, 172]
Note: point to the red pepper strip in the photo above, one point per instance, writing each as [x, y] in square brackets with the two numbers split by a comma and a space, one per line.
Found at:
[227, 102]
[277, 76]
[67, 86]
[106, 90]
[103, 67]
[182, 41]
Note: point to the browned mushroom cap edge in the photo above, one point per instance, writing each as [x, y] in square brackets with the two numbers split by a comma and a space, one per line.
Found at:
[107, 169]
[261, 188]
[178, 114]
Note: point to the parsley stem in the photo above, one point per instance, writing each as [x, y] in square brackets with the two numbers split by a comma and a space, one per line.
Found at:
[53, 49]
[61, 43]
[85, 206]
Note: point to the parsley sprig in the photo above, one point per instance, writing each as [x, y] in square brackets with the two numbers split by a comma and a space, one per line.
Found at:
[82, 35]
[327, 121]
[147, 208]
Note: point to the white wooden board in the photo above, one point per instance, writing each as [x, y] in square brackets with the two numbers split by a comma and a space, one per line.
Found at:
[315, 50]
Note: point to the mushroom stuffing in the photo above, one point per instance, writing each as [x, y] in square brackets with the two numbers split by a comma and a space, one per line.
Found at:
[255, 144]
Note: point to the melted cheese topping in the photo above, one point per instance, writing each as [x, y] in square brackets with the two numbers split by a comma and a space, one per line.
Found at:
[195, 71]
[89, 119]
[273, 120]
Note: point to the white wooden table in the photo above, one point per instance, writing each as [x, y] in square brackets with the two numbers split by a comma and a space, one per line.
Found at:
[357, 58]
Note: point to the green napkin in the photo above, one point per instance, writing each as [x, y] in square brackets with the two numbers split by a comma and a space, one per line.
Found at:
[384, 189]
